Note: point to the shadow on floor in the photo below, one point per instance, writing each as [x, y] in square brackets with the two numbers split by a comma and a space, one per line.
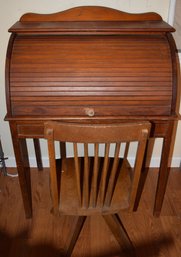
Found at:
[20, 246]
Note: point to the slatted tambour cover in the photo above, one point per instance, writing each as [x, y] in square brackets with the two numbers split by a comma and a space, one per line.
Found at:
[113, 74]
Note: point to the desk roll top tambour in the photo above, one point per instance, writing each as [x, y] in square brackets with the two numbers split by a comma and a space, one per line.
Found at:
[90, 64]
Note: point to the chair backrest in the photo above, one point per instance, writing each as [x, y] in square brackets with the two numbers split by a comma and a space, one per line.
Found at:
[98, 178]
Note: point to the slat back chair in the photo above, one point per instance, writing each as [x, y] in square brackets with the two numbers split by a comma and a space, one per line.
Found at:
[96, 184]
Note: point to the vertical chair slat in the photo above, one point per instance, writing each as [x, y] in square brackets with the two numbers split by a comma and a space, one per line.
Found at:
[77, 172]
[104, 174]
[126, 150]
[93, 197]
[53, 172]
[85, 202]
[112, 177]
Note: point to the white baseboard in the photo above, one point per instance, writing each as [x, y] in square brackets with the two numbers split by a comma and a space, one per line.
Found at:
[155, 162]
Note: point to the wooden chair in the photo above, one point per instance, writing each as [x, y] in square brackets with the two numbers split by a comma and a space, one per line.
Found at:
[83, 186]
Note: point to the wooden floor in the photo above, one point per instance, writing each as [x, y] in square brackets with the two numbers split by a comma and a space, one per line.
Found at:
[46, 235]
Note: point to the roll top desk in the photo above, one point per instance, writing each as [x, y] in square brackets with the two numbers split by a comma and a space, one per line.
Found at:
[90, 64]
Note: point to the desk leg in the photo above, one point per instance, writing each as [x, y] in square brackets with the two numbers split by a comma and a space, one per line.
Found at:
[37, 148]
[144, 172]
[164, 169]
[22, 161]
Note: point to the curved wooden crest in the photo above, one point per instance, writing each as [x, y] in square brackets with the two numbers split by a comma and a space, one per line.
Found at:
[90, 13]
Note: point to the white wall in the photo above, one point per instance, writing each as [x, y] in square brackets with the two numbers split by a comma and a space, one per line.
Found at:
[10, 12]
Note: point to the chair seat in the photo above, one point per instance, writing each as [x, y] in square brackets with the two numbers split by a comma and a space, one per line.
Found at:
[69, 200]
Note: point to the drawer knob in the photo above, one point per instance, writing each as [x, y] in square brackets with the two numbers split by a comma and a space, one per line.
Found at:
[89, 112]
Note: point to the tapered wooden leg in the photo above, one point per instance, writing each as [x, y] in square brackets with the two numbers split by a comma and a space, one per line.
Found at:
[118, 230]
[22, 161]
[144, 172]
[164, 169]
[37, 148]
[74, 234]
[25, 179]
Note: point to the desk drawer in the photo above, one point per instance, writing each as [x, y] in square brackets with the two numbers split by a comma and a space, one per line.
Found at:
[92, 110]
[30, 130]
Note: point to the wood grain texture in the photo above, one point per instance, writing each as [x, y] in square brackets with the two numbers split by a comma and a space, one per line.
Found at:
[83, 179]
[62, 75]
[91, 27]
[80, 192]
[89, 13]
[113, 67]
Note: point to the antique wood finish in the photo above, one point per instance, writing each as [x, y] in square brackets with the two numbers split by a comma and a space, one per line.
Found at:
[91, 185]
[36, 143]
[66, 86]
[22, 162]
[94, 65]
[90, 13]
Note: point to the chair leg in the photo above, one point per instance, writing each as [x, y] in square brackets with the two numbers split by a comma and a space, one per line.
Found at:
[114, 223]
[74, 234]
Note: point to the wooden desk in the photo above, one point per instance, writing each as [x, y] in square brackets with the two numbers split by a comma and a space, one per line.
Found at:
[90, 64]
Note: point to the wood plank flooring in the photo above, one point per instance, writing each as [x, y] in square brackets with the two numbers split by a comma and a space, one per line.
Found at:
[45, 235]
